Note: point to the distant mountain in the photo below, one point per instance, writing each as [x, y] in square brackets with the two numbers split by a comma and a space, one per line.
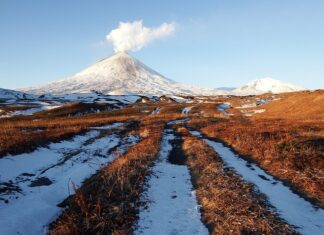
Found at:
[266, 85]
[6, 94]
[225, 88]
[120, 74]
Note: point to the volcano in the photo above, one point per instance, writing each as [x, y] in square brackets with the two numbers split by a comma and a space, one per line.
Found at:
[120, 74]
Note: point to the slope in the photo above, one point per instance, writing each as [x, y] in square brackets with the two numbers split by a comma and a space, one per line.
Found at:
[120, 74]
[297, 105]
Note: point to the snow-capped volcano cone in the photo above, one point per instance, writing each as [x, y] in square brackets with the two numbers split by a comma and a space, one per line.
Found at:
[120, 74]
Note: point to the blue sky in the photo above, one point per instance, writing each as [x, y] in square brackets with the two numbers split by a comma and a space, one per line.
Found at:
[216, 43]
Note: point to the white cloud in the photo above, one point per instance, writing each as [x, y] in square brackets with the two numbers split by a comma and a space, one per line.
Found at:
[133, 36]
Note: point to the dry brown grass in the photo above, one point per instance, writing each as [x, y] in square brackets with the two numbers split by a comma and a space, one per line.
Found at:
[287, 140]
[108, 202]
[206, 110]
[75, 109]
[12, 108]
[305, 105]
[290, 150]
[229, 205]
[23, 134]
[173, 108]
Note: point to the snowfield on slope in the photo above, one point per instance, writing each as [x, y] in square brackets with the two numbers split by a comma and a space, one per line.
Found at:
[62, 166]
[172, 206]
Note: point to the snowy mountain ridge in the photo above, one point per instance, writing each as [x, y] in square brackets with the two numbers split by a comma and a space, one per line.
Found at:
[7, 94]
[266, 85]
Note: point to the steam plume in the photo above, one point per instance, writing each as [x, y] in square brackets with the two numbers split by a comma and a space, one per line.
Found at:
[133, 36]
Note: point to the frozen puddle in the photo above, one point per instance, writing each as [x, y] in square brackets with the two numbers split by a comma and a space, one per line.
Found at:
[47, 176]
[294, 209]
[222, 108]
[172, 206]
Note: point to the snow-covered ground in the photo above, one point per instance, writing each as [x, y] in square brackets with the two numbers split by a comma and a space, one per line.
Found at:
[186, 110]
[294, 209]
[46, 176]
[172, 206]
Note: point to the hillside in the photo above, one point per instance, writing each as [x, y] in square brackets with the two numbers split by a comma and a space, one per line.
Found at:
[298, 105]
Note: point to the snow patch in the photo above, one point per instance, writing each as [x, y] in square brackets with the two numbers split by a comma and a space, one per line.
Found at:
[250, 113]
[186, 110]
[30, 111]
[172, 207]
[108, 127]
[156, 111]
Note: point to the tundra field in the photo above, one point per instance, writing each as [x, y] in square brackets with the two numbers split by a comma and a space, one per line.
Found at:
[164, 165]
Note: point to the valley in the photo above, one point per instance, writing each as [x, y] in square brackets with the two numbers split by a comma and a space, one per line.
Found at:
[105, 164]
